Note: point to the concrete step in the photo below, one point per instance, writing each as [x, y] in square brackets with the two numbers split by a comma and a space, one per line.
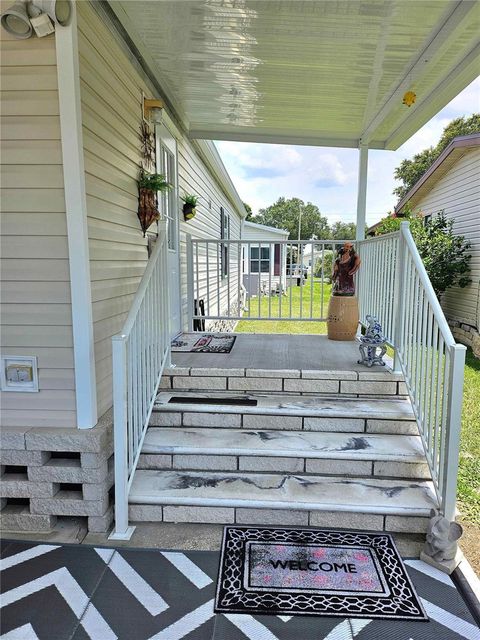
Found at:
[297, 381]
[292, 412]
[346, 454]
[253, 498]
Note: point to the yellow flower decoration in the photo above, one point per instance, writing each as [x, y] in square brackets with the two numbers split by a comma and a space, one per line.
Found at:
[409, 98]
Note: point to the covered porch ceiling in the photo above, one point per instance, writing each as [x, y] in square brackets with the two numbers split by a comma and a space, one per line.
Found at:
[315, 72]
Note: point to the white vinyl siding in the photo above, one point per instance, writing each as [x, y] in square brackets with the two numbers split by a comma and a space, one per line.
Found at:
[111, 92]
[458, 194]
[35, 289]
[195, 178]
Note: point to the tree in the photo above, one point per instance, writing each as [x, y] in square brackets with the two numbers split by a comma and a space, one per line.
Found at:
[410, 171]
[248, 209]
[444, 254]
[285, 214]
[343, 231]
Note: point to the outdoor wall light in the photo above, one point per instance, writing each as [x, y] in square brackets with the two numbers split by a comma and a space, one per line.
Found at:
[26, 15]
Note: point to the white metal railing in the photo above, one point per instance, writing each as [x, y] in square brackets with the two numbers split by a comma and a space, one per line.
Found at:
[395, 287]
[140, 352]
[256, 279]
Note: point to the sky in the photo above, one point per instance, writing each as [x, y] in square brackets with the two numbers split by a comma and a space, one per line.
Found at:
[327, 176]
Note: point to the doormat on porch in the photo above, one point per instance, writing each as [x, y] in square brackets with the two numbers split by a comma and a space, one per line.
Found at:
[203, 342]
[314, 572]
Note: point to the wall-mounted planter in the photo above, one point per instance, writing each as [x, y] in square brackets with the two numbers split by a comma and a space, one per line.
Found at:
[147, 208]
[189, 211]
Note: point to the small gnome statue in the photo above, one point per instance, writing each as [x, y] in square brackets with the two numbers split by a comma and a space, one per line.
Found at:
[441, 546]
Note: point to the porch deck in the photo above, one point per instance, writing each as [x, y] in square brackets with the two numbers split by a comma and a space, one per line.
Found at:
[281, 351]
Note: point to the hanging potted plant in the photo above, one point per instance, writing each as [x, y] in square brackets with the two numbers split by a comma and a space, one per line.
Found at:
[190, 202]
[149, 184]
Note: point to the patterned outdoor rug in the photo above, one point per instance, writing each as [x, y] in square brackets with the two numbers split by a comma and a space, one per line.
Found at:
[204, 342]
[314, 572]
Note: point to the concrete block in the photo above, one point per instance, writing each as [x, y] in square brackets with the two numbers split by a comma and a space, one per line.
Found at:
[402, 469]
[3, 503]
[272, 464]
[346, 520]
[273, 373]
[165, 383]
[380, 376]
[255, 384]
[271, 517]
[66, 470]
[176, 371]
[18, 518]
[101, 524]
[402, 389]
[205, 462]
[363, 387]
[165, 419]
[17, 486]
[69, 503]
[215, 371]
[86, 440]
[406, 524]
[94, 460]
[213, 383]
[154, 461]
[97, 491]
[225, 420]
[312, 386]
[145, 513]
[409, 545]
[23, 458]
[264, 423]
[340, 467]
[13, 437]
[312, 374]
[354, 425]
[207, 515]
[405, 427]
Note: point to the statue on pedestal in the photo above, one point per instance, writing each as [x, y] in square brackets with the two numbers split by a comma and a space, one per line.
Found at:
[342, 320]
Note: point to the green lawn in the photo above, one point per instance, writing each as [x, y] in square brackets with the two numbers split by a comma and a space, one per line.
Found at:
[302, 299]
[469, 470]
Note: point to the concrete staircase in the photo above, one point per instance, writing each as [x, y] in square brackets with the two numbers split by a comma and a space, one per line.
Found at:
[321, 448]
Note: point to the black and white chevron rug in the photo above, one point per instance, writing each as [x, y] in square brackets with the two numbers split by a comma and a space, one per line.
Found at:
[76, 592]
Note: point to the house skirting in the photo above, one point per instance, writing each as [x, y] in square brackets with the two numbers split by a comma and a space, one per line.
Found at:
[467, 335]
[56, 473]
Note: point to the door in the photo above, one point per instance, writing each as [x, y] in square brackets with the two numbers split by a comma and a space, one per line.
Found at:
[167, 165]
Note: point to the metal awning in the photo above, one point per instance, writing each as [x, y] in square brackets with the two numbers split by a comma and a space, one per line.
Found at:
[330, 73]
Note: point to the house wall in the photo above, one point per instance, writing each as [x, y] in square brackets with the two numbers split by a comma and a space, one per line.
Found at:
[35, 291]
[111, 94]
[458, 194]
[194, 177]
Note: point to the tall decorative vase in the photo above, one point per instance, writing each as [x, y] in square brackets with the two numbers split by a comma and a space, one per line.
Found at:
[342, 319]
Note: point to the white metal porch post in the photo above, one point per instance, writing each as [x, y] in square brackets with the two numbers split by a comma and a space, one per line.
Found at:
[362, 191]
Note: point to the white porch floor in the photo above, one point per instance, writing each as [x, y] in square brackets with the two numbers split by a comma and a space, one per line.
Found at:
[280, 351]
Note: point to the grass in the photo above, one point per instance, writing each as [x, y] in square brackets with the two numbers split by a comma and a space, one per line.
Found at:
[302, 299]
[469, 468]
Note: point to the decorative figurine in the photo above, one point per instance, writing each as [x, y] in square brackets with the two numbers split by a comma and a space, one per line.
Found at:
[441, 548]
[342, 320]
[370, 342]
[346, 265]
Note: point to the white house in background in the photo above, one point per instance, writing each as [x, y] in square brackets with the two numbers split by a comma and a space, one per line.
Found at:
[265, 259]
[451, 185]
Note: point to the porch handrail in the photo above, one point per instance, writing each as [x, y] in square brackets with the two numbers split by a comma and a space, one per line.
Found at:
[140, 352]
[426, 353]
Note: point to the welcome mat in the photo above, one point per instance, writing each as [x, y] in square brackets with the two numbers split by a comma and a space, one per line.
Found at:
[203, 342]
[314, 572]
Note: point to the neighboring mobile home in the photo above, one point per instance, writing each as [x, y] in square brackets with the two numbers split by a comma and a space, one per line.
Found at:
[451, 185]
[264, 259]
